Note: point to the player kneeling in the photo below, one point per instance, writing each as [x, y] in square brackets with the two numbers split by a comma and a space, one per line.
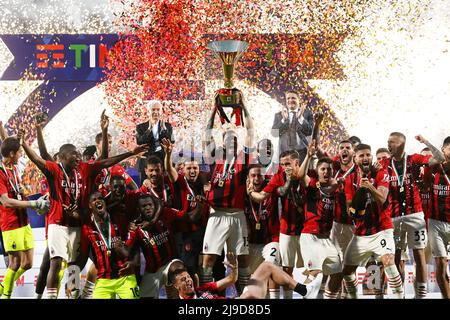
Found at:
[102, 237]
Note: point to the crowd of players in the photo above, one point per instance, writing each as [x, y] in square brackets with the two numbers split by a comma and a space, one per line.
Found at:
[326, 213]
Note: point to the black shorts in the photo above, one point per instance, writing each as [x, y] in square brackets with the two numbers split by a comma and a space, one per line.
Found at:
[189, 246]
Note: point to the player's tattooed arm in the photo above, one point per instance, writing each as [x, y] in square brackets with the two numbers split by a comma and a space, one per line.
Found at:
[282, 191]
[438, 156]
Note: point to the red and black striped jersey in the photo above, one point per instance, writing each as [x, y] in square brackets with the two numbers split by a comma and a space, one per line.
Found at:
[377, 217]
[67, 192]
[319, 209]
[108, 265]
[439, 205]
[228, 183]
[162, 192]
[123, 212]
[156, 241]
[340, 207]
[404, 194]
[11, 218]
[263, 222]
[291, 205]
[184, 199]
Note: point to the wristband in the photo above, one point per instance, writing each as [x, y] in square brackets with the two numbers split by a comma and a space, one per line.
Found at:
[33, 204]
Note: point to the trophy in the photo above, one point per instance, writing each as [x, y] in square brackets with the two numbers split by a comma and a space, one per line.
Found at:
[229, 52]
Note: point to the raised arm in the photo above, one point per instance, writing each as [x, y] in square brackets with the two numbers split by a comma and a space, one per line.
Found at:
[3, 134]
[437, 157]
[304, 178]
[106, 163]
[208, 135]
[250, 135]
[318, 118]
[40, 121]
[168, 147]
[104, 123]
[38, 161]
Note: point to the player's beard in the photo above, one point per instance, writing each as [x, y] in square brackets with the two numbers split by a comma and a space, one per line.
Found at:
[365, 168]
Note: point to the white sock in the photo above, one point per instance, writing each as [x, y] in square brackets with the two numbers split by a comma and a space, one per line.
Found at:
[351, 284]
[421, 290]
[52, 293]
[274, 293]
[88, 290]
[395, 280]
[330, 295]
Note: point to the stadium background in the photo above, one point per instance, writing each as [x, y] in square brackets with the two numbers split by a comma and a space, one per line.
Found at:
[373, 67]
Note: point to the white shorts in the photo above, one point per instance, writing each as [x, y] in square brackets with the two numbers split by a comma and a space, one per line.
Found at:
[226, 227]
[320, 254]
[152, 282]
[416, 230]
[341, 235]
[289, 250]
[439, 235]
[63, 242]
[264, 252]
[362, 248]
[400, 242]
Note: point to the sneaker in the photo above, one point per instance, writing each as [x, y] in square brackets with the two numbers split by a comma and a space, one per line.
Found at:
[312, 288]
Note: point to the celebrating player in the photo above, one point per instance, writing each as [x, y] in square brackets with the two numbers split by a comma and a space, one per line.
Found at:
[15, 225]
[368, 193]
[439, 221]
[405, 202]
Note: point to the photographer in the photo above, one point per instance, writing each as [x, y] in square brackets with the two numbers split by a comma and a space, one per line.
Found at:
[152, 133]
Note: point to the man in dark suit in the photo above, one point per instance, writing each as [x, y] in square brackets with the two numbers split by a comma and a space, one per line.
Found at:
[293, 125]
[151, 133]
